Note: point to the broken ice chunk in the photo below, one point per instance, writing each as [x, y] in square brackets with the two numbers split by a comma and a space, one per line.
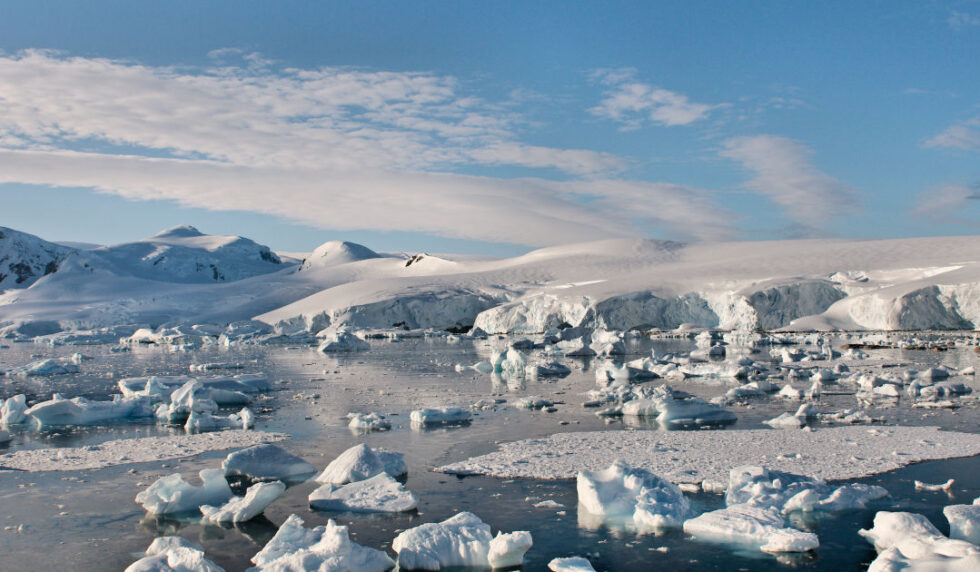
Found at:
[242, 509]
[171, 494]
[380, 493]
[362, 462]
[267, 462]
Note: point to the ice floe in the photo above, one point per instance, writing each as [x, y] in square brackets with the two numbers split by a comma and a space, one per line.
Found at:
[380, 493]
[174, 554]
[362, 462]
[570, 564]
[964, 521]
[629, 497]
[326, 547]
[172, 494]
[461, 540]
[267, 462]
[124, 451]
[242, 509]
[440, 416]
[81, 411]
[366, 422]
[909, 541]
[750, 526]
[833, 453]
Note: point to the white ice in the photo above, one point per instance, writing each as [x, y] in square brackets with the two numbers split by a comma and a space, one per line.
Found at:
[267, 462]
[440, 416]
[343, 341]
[380, 493]
[964, 521]
[366, 422]
[81, 411]
[242, 509]
[462, 540]
[907, 541]
[570, 564]
[295, 548]
[635, 497]
[171, 494]
[174, 554]
[745, 525]
[362, 462]
[13, 410]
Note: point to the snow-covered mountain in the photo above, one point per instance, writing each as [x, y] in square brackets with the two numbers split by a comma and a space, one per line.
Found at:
[184, 254]
[615, 284]
[24, 258]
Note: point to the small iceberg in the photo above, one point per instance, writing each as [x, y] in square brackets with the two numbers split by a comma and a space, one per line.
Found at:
[172, 495]
[632, 497]
[242, 509]
[380, 493]
[462, 540]
[267, 463]
[174, 554]
[361, 462]
[327, 547]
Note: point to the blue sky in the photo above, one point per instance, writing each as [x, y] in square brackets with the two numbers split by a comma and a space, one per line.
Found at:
[489, 127]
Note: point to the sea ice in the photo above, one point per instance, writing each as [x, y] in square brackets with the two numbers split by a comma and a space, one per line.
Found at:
[366, 422]
[570, 564]
[45, 367]
[920, 486]
[964, 521]
[634, 497]
[786, 492]
[171, 494]
[174, 554]
[462, 540]
[342, 341]
[361, 462]
[907, 540]
[762, 528]
[13, 410]
[81, 411]
[380, 493]
[440, 416]
[242, 509]
[508, 550]
[694, 456]
[326, 548]
[267, 462]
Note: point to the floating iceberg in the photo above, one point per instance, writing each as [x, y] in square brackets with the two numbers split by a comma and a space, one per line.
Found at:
[634, 497]
[328, 548]
[508, 550]
[267, 463]
[964, 521]
[785, 492]
[171, 494]
[380, 493]
[745, 525]
[343, 341]
[81, 411]
[570, 564]
[242, 509]
[462, 540]
[174, 554]
[907, 540]
[45, 367]
[13, 410]
[367, 422]
[361, 462]
[440, 416]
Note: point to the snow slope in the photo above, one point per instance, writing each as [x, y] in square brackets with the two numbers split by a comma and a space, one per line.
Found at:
[614, 284]
[24, 258]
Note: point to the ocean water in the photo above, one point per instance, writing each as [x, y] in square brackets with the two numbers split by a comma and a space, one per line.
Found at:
[87, 520]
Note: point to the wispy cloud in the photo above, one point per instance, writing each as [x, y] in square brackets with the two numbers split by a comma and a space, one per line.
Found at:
[950, 203]
[633, 103]
[336, 148]
[963, 136]
[783, 172]
[958, 20]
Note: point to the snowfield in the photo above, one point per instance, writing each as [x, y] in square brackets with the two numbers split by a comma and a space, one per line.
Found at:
[183, 276]
[829, 454]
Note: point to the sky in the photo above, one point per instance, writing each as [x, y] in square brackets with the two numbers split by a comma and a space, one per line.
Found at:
[489, 127]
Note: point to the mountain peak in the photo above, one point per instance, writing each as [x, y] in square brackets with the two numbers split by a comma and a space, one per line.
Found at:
[182, 231]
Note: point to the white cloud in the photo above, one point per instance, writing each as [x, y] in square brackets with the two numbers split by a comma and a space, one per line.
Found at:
[958, 20]
[958, 136]
[336, 148]
[633, 103]
[783, 172]
[950, 203]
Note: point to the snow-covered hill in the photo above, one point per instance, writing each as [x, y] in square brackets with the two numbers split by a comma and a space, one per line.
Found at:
[24, 258]
[184, 254]
[615, 284]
